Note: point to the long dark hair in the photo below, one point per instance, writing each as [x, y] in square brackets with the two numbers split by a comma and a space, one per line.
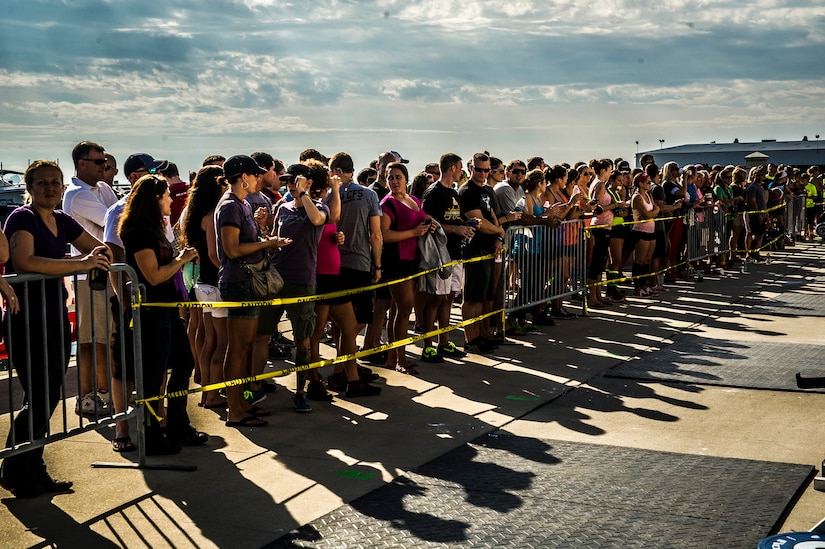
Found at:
[203, 196]
[142, 208]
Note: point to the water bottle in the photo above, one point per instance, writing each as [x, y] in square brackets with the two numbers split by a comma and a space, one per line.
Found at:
[474, 224]
[744, 268]
[97, 277]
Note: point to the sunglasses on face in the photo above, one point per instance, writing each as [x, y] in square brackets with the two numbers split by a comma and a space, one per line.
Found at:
[97, 161]
[482, 170]
[518, 171]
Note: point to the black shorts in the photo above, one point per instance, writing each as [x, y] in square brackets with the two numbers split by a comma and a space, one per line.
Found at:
[361, 302]
[755, 226]
[619, 232]
[400, 269]
[639, 235]
[661, 244]
[479, 285]
[329, 283]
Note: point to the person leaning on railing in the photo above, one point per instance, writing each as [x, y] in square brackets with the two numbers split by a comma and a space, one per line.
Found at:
[38, 235]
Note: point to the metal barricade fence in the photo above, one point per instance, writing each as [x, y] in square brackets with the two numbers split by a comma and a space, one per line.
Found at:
[707, 234]
[795, 221]
[39, 379]
[543, 263]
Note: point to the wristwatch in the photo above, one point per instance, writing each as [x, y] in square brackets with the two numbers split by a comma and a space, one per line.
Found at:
[302, 194]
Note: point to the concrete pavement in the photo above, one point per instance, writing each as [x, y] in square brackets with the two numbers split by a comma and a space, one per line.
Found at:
[253, 486]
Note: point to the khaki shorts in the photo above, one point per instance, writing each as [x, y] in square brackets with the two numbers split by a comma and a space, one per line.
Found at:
[301, 315]
[101, 317]
[450, 285]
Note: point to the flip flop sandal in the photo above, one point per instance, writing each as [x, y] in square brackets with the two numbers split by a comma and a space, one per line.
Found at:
[409, 369]
[248, 421]
[258, 412]
[123, 444]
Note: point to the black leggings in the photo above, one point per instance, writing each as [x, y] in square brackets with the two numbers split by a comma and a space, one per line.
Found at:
[601, 246]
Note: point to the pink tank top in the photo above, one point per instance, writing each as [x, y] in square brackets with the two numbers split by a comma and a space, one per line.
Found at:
[644, 225]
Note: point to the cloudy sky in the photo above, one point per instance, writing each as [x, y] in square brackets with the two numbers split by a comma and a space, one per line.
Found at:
[569, 81]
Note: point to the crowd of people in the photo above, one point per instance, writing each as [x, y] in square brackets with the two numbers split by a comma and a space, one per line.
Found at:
[329, 229]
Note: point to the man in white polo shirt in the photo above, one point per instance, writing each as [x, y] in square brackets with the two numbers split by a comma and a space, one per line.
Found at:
[87, 199]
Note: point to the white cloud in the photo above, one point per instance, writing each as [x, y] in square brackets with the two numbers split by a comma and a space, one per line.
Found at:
[214, 73]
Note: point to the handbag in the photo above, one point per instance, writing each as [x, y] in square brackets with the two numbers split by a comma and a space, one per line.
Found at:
[265, 279]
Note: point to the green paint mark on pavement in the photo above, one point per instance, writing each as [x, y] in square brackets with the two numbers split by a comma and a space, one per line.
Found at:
[357, 475]
[522, 398]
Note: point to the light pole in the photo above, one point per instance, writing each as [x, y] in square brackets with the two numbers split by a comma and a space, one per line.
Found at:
[661, 143]
[817, 143]
[637, 148]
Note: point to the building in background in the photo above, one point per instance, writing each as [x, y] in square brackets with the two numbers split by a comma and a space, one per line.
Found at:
[795, 153]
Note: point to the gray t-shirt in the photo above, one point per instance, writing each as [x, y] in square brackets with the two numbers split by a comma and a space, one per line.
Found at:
[507, 196]
[297, 262]
[358, 204]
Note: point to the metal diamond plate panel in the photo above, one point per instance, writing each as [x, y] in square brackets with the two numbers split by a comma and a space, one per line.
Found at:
[786, 304]
[508, 491]
[747, 364]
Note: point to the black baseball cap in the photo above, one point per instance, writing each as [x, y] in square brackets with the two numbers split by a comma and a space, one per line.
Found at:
[240, 164]
[293, 171]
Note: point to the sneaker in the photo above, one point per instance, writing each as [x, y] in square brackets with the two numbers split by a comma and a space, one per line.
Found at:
[418, 329]
[362, 389]
[301, 404]
[530, 329]
[479, 345]
[337, 382]
[280, 352]
[615, 293]
[91, 405]
[279, 339]
[187, 436]
[543, 320]
[512, 327]
[318, 392]
[365, 374]
[269, 387]
[378, 359]
[430, 354]
[563, 314]
[254, 397]
[641, 292]
[449, 349]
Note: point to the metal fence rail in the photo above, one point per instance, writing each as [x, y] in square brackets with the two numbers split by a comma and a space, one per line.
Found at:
[795, 216]
[543, 263]
[707, 234]
[27, 384]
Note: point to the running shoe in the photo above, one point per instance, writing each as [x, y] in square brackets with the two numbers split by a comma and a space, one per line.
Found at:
[449, 349]
[430, 354]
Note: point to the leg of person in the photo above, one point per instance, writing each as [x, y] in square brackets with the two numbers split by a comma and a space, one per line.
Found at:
[430, 310]
[403, 294]
[216, 361]
[181, 363]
